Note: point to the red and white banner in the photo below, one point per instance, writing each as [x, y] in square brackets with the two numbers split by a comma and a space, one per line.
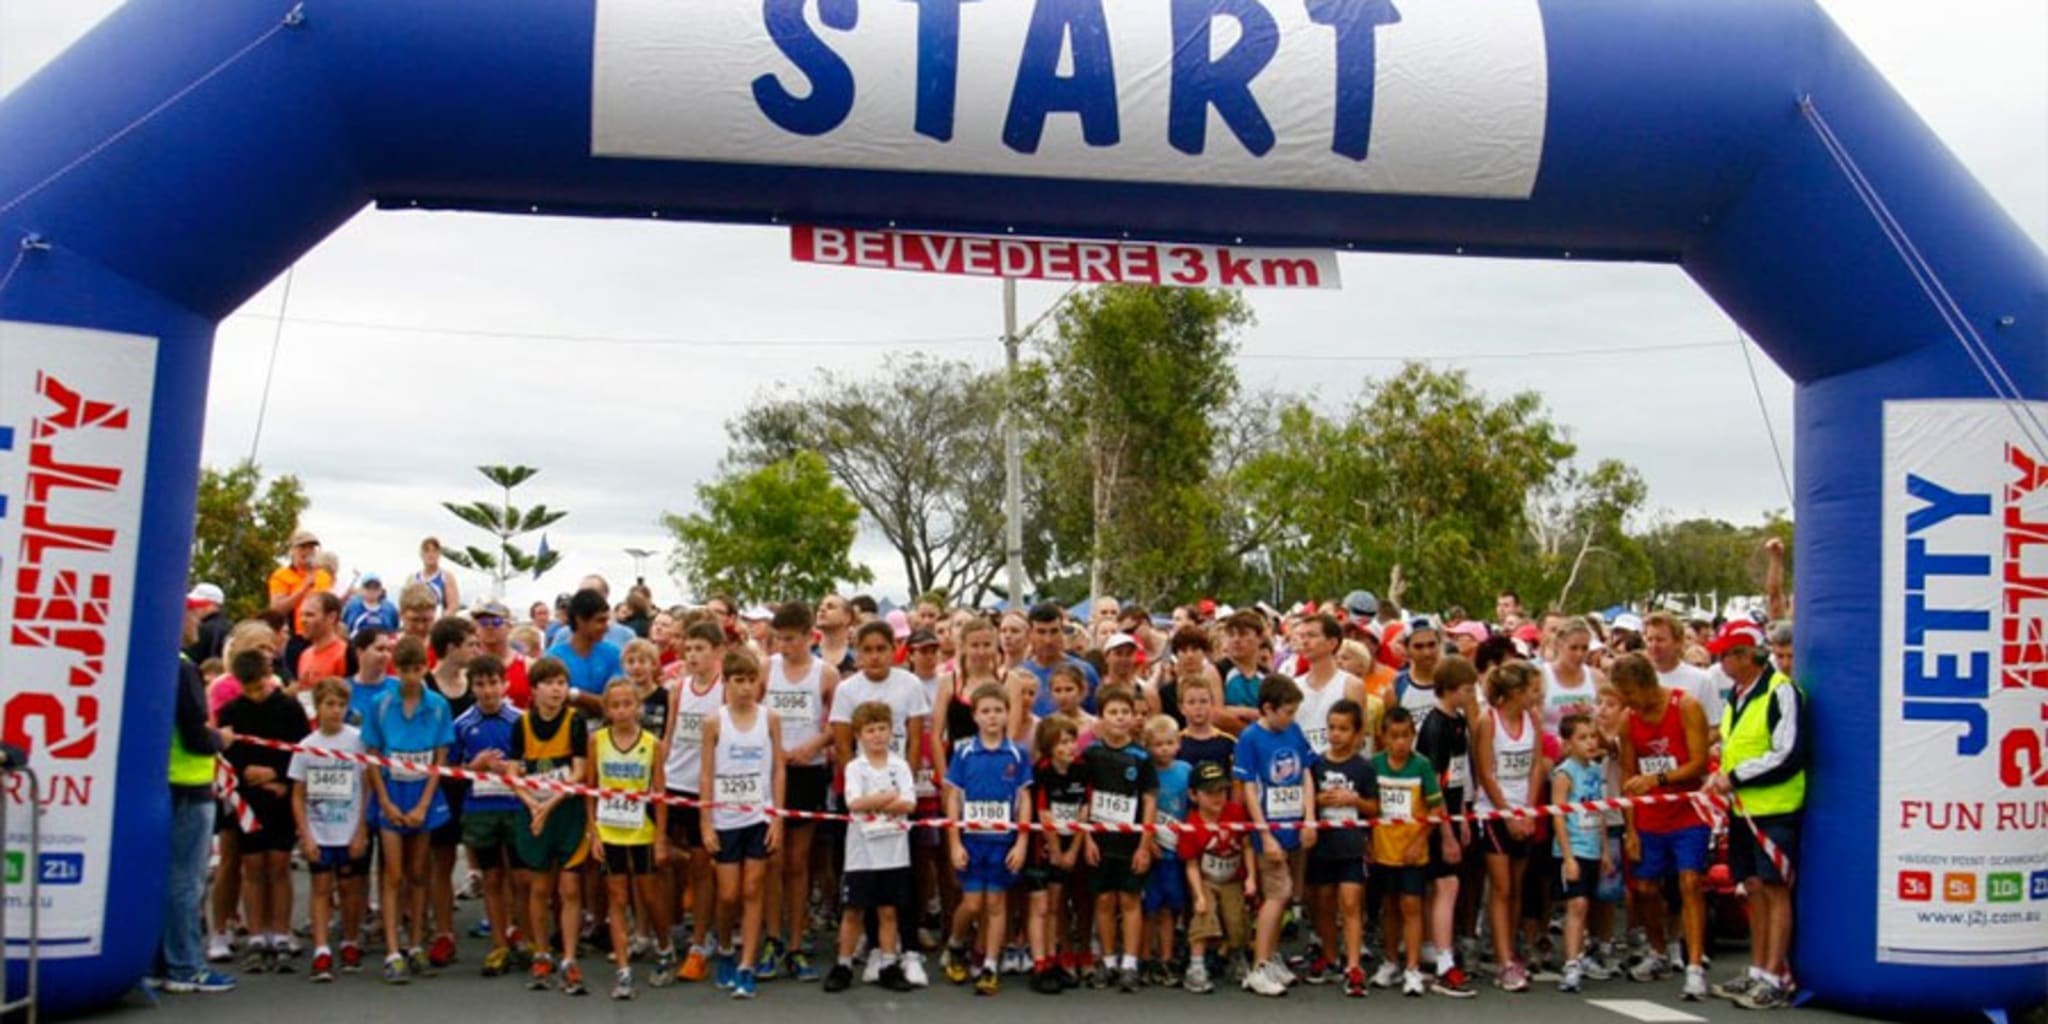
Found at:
[74, 440]
[1159, 264]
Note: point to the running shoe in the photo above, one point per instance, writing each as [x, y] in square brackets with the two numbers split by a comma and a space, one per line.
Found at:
[572, 980]
[1413, 984]
[694, 968]
[1127, 980]
[1388, 976]
[1695, 989]
[953, 964]
[419, 963]
[913, 970]
[1103, 978]
[1320, 971]
[441, 952]
[1197, 979]
[256, 960]
[1765, 996]
[622, 984]
[1264, 981]
[1046, 981]
[323, 966]
[768, 965]
[1513, 978]
[1574, 977]
[744, 985]
[542, 974]
[1354, 983]
[1280, 971]
[351, 958]
[1650, 968]
[496, 961]
[891, 978]
[1735, 988]
[664, 973]
[281, 962]
[220, 948]
[200, 981]
[987, 983]
[839, 979]
[727, 972]
[1453, 983]
[797, 964]
[396, 970]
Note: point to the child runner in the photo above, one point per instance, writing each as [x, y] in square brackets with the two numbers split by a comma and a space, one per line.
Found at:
[1507, 756]
[1213, 850]
[695, 699]
[493, 817]
[800, 687]
[1581, 838]
[743, 775]
[1201, 742]
[1059, 786]
[988, 784]
[642, 661]
[334, 829]
[265, 855]
[411, 724]
[1272, 765]
[1347, 791]
[1123, 791]
[632, 833]
[1069, 686]
[1444, 740]
[880, 789]
[1166, 891]
[450, 644]
[1410, 796]
[550, 745]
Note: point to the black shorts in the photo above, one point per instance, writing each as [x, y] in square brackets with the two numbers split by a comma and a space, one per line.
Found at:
[1438, 867]
[685, 824]
[276, 830]
[1746, 858]
[739, 844]
[1335, 871]
[804, 788]
[1586, 886]
[628, 860]
[867, 890]
[1116, 875]
[1496, 840]
[1405, 880]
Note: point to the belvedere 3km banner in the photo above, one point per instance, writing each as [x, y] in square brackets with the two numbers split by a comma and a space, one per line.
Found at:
[1963, 797]
[1411, 97]
[74, 439]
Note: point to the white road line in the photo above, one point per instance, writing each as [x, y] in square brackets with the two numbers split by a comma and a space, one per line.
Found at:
[1645, 1010]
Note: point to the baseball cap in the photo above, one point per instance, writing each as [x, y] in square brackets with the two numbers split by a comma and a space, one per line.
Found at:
[302, 537]
[923, 638]
[205, 593]
[1361, 604]
[1737, 633]
[1528, 633]
[756, 613]
[1206, 607]
[494, 607]
[899, 623]
[371, 579]
[1119, 640]
[1629, 621]
[1473, 628]
[1209, 775]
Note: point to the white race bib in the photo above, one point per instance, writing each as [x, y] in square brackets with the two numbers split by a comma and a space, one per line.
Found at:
[1318, 739]
[1217, 868]
[744, 790]
[1113, 808]
[1165, 828]
[400, 774]
[1064, 815]
[792, 704]
[1285, 803]
[1657, 764]
[1515, 764]
[489, 785]
[1397, 803]
[336, 784]
[1341, 815]
[883, 827]
[1461, 772]
[899, 744]
[925, 786]
[621, 812]
[690, 728]
[985, 812]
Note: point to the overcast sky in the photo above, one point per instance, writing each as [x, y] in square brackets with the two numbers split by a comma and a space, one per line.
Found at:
[384, 424]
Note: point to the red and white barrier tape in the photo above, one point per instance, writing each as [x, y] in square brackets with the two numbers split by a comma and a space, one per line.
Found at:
[228, 786]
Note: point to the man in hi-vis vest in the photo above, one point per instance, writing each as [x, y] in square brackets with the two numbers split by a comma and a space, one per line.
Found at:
[1763, 765]
[194, 744]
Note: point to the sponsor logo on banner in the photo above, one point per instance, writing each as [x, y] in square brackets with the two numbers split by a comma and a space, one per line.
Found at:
[1413, 97]
[74, 440]
[1964, 775]
[1084, 262]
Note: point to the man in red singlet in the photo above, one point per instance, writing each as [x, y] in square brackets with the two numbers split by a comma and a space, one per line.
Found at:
[1664, 750]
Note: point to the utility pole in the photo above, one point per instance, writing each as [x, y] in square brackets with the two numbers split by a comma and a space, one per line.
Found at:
[1013, 473]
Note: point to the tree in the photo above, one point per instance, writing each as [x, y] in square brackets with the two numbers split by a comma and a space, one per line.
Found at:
[1130, 388]
[239, 535]
[1699, 560]
[784, 530]
[1577, 525]
[916, 447]
[504, 522]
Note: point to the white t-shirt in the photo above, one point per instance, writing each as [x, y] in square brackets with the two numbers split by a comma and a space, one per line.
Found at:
[1697, 682]
[903, 692]
[878, 846]
[334, 788]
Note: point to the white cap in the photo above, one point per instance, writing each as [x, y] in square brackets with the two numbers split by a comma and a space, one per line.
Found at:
[208, 593]
[756, 613]
[1629, 621]
[1119, 640]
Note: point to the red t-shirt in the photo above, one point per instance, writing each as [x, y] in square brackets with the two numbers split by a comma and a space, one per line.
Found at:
[1217, 851]
[1662, 748]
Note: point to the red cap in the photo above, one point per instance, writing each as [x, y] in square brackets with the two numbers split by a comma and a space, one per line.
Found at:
[1206, 606]
[1737, 633]
[1528, 633]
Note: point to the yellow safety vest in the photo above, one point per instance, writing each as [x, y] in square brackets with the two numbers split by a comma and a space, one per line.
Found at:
[1749, 737]
[188, 768]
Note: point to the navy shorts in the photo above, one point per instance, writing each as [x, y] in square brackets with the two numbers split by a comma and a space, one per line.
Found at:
[986, 871]
[1403, 880]
[738, 844]
[335, 860]
[1166, 888]
[1670, 853]
[1746, 858]
[1335, 871]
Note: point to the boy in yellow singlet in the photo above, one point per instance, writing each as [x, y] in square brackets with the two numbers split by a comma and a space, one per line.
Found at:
[549, 744]
[632, 832]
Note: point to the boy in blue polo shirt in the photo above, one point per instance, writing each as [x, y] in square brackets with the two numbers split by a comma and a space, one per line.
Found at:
[491, 819]
[988, 782]
[1272, 765]
[411, 724]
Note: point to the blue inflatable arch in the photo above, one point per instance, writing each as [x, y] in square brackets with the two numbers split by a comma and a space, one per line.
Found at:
[182, 155]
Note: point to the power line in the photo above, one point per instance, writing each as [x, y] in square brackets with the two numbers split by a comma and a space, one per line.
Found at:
[615, 339]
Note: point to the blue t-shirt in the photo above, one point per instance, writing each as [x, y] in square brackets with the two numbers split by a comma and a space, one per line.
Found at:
[1173, 806]
[474, 734]
[389, 732]
[355, 615]
[588, 675]
[988, 776]
[1240, 688]
[1043, 706]
[363, 698]
[558, 633]
[1587, 828]
[1278, 763]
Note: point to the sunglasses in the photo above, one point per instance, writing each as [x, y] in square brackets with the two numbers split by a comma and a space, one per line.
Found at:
[491, 621]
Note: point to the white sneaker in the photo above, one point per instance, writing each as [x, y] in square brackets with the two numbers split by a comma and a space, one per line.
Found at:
[1281, 973]
[1265, 981]
[913, 970]
[1413, 984]
[1388, 976]
[219, 949]
[872, 973]
[1695, 984]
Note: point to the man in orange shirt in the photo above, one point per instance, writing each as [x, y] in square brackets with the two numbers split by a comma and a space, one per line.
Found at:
[289, 585]
[326, 653]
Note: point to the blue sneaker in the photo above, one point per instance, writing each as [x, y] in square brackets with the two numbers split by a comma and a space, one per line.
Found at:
[770, 959]
[200, 981]
[728, 971]
[797, 964]
[743, 984]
